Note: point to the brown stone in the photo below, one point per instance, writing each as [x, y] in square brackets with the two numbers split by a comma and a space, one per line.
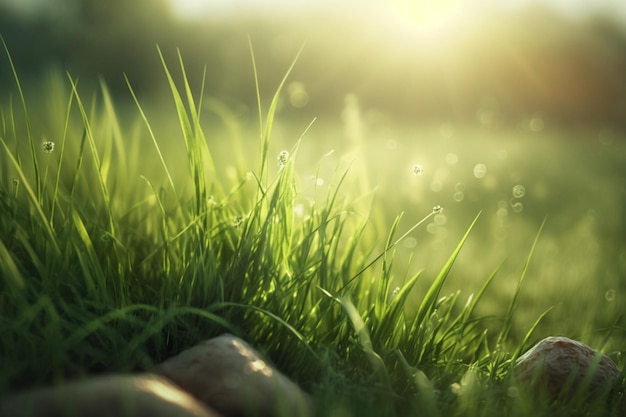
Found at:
[562, 368]
[142, 395]
[231, 377]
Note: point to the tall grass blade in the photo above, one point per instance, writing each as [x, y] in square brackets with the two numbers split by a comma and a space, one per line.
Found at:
[57, 183]
[269, 120]
[9, 268]
[508, 319]
[152, 136]
[96, 158]
[195, 142]
[384, 252]
[33, 198]
[429, 300]
[521, 346]
[29, 132]
[363, 335]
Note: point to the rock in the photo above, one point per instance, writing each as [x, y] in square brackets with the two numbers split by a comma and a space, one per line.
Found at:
[231, 377]
[565, 369]
[142, 395]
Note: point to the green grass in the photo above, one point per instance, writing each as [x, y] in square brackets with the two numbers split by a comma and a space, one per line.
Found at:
[125, 245]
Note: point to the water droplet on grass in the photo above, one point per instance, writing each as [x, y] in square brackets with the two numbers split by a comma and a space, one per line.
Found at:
[609, 295]
[437, 209]
[519, 191]
[48, 146]
[298, 210]
[517, 207]
[536, 124]
[298, 96]
[410, 242]
[512, 392]
[480, 170]
[282, 159]
[436, 186]
[418, 169]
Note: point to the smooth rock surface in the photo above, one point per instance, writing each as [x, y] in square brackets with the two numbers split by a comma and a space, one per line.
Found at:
[231, 377]
[566, 368]
[142, 395]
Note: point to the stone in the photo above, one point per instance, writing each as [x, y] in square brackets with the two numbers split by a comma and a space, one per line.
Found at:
[563, 369]
[142, 395]
[231, 377]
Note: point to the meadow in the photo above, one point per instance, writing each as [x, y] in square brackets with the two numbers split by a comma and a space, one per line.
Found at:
[390, 269]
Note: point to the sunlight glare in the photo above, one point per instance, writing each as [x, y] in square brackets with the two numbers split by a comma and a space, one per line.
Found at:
[193, 9]
[435, 17]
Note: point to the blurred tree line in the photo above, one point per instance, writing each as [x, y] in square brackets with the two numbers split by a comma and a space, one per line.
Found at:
[532, 62]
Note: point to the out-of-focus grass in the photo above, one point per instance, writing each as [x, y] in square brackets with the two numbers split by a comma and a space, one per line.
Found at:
[518, 177]
[133, 240]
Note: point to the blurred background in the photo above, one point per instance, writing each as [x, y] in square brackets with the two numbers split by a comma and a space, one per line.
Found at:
[516, 108]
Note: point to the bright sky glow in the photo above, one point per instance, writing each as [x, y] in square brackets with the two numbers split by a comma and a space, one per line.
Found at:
[423, 11]
[433, 17]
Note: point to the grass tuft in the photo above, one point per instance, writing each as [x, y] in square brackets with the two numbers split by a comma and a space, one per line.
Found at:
[109, 263]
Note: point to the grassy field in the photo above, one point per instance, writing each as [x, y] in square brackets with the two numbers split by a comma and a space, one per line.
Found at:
[382, 287]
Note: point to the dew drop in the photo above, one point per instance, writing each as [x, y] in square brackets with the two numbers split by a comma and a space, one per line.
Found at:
[437, 209]
[512, 392]
[282, 158]
[48, 146]
[298, 210]
[519, 191]
[436, 186]
[418, 169]
[395, 292]
[480, 170]
[609, 295]
[536, 124]
[298, 96]
[410, 243]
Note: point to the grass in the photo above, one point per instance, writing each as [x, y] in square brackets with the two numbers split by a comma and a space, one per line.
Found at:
[116, 253]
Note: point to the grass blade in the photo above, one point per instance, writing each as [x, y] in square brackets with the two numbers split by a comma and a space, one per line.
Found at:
[429, 300]
[508, 319]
